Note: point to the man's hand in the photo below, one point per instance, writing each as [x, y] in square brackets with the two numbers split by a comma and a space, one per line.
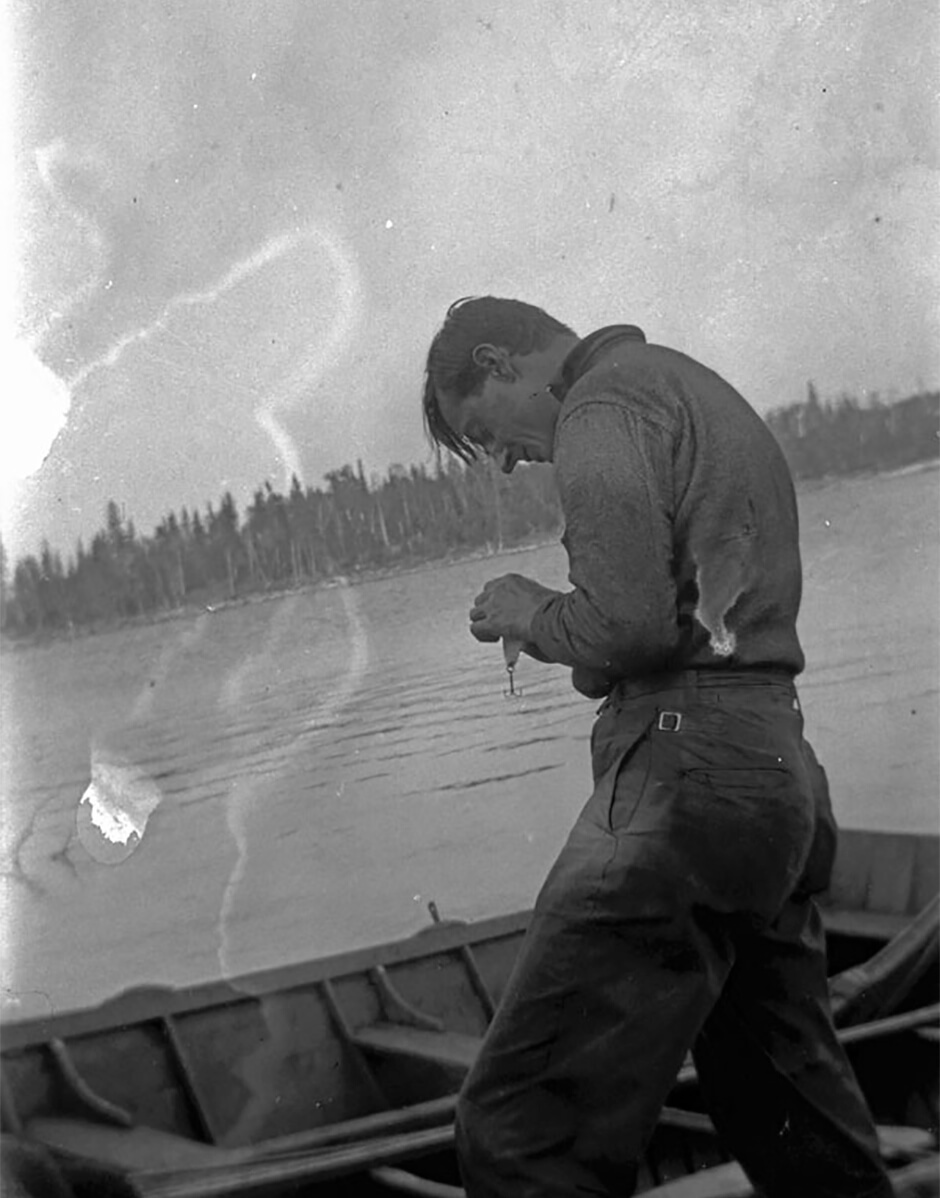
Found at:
[505, 607]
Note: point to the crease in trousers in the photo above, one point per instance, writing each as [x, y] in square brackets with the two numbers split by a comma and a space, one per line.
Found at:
[678, 916]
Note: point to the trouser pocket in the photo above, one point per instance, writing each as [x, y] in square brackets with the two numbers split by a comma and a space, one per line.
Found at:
[742, 834]
[621, 758]
[578, 874]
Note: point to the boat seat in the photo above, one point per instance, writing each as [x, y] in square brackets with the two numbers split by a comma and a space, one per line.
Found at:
[458, 1051]
[455, 1050]
[871, 925]
[898, 1143]
[145, 1148]
[157, 1164]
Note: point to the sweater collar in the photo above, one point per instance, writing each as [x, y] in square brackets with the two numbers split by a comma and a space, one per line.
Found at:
[586, 353]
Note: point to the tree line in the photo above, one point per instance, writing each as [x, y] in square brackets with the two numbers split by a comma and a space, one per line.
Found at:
[410, 516]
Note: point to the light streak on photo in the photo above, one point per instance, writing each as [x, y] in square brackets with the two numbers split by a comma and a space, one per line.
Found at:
[36, 406]
[243, 269]
[235, 691]
[184, 641]
[37, 400]
[26, 458]
[322, 355]
[285, 448]
[233, 694]
[272, 250]
[49, 159]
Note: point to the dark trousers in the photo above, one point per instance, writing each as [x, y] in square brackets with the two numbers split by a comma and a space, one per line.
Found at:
[679, 915]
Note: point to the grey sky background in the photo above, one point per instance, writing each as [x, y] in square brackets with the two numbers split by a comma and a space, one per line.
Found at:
[239, 223]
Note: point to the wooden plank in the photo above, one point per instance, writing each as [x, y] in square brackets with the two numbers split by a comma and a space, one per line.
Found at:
[453, 1049]
[286, 1174]
[148, 1149]
[904, 1143]
[890, 872]
[892, 875]
[852, 870]
[409, 1183]
[434, 1112]
[874, 925]
[161, 1162]
[918, 1179]
[926, 871]
[273, 1067]
[126, 1148]
[906, 1021]
[131, 1067]
[721, 1181]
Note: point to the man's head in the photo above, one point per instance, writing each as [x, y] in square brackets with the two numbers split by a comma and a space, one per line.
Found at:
[488, 373]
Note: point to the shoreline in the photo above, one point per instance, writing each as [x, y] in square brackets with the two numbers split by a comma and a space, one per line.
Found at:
[191, 610]
[376, 573]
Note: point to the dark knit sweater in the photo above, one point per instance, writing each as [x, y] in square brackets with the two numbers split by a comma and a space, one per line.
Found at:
[681, 521]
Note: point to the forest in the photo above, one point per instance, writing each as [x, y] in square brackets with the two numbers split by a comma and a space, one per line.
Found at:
[352, 526]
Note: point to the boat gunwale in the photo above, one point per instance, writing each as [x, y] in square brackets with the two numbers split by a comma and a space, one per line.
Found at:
[141, 1004]
[147, 1002]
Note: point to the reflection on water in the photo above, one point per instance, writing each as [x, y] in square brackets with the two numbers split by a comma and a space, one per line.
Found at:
[307, 773]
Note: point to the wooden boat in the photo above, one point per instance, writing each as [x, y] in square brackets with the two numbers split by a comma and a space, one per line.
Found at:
[339, 1076]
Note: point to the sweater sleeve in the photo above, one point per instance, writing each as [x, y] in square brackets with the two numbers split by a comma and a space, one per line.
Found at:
[614, 473]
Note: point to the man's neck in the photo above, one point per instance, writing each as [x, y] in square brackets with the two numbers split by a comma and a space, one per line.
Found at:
[543, 366]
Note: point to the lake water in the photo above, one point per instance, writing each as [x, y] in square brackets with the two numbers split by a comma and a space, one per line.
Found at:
[319, 766]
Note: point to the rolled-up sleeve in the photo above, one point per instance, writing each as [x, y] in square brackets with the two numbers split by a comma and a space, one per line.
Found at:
[614, 473]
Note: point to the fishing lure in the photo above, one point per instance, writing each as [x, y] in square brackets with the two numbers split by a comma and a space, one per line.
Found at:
[511, 650]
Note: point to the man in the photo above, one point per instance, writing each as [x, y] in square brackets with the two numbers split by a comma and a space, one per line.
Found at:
[679, 914]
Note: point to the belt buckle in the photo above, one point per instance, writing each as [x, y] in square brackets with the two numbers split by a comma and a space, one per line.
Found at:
[669, 721]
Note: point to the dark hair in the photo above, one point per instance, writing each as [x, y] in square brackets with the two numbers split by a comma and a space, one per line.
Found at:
[510, 324]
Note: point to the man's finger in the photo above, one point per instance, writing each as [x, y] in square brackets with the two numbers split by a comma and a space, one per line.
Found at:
[491, 583]
[482, 635]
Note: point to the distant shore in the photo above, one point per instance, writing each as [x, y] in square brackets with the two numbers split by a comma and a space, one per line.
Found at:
[371, 574]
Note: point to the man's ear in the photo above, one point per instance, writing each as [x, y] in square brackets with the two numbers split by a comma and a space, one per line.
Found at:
[494, 360]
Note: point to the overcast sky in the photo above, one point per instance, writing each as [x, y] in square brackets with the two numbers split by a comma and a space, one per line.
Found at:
[239, 222]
